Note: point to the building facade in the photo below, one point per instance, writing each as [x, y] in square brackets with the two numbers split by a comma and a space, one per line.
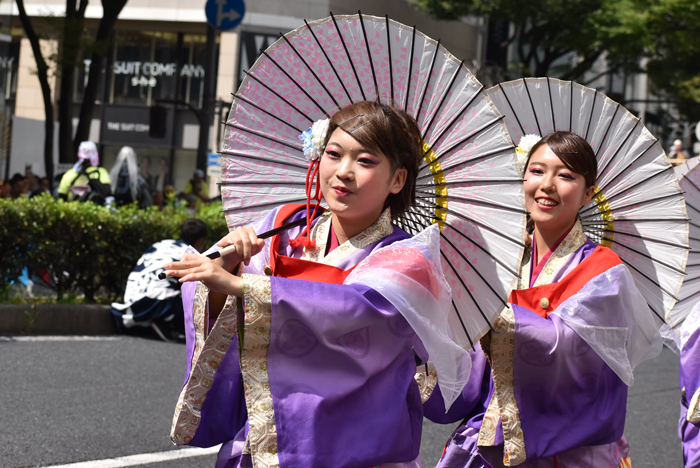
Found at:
[157, 58]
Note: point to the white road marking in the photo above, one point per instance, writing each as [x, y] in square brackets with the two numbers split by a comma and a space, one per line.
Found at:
[142, 458]
[61, 338]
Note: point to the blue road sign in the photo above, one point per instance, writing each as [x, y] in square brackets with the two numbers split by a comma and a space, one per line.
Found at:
[213, 160]
[224, 14]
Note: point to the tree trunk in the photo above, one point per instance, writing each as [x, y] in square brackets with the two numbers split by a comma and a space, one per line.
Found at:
[111, 9]
[42, 74]
[209, 92]
[70, 51]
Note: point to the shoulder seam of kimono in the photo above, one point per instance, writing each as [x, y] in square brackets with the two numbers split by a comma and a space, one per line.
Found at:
[599, 261]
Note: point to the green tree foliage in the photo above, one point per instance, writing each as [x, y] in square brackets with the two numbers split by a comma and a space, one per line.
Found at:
[674, 54]
[561, 38]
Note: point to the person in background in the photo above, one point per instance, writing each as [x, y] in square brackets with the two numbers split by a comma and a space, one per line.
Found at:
[18, 186]
[145, 171]
[197, 187]
[677, 155]
[129, 185]
[4, 189]
[191, 203]
[155, 303]
[158, 200]
[76, 181]
[45, 185]
[32, 183]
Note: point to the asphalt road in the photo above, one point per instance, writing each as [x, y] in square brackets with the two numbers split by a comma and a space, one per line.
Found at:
[82, 399]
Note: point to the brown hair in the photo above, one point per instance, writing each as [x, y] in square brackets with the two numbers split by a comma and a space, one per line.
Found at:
[389, 131]
[575, 152]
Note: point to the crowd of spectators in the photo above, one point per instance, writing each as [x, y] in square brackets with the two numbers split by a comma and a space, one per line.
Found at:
[28, 184]
[125, 183]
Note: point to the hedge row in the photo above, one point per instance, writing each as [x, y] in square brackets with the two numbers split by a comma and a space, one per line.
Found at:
[83, 247]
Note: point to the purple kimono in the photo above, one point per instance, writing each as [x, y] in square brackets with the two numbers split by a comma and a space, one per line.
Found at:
[552, 391]
[689, 424]
[309, 373]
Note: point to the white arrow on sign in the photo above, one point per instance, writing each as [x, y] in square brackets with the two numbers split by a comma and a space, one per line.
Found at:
[230, 15]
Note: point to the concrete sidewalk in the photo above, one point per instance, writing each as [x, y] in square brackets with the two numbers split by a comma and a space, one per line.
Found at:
[56, 319]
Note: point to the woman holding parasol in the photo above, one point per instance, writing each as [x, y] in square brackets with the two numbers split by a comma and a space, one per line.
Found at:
[552, 390]
[324, 342]
[685, 318]
[689, 422]
[315, 366]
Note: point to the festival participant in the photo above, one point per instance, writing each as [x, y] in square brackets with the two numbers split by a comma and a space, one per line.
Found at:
[87, 180]
[315, 366]
[689, 424]
[129, 185]
[552, 390]
[150, 302]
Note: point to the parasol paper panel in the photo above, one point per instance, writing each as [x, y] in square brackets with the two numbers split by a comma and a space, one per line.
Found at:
[690, 290]
[682, 169]
[468, 182]
[638, 208]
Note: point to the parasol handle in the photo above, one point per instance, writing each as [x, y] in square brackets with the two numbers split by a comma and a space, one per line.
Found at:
[232, 248]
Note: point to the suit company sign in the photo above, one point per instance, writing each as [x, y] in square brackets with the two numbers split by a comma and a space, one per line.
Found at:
[147, 73]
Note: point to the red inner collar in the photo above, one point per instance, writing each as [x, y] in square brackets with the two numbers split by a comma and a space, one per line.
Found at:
[333, 241]
[536, 267]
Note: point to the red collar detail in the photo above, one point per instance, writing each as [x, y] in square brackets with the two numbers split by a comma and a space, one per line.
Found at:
[535, 266]
[552, 295]
[332, 242]
[296, 268]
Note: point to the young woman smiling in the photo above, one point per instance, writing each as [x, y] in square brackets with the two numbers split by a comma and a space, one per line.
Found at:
[551, 389]
[315, 366]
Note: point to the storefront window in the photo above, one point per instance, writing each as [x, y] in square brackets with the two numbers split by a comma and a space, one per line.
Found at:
[192, 73]
[145, 68]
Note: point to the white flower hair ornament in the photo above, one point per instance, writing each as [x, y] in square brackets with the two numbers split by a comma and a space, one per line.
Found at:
[524, 147]
[314, 139]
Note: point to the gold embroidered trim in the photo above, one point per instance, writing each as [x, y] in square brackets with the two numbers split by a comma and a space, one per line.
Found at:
[489, 425]
[319, 233]
[506, 405]
[262, 433]
[571, 243]
[426, 382]
[207, 356]
[693, 415]
[377, 231]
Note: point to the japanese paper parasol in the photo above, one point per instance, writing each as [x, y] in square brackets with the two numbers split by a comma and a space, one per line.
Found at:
[690, 290]
[467, 183]
[682, 169]
[638, 208]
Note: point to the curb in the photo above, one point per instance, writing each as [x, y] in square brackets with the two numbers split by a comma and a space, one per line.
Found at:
[56, 319]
